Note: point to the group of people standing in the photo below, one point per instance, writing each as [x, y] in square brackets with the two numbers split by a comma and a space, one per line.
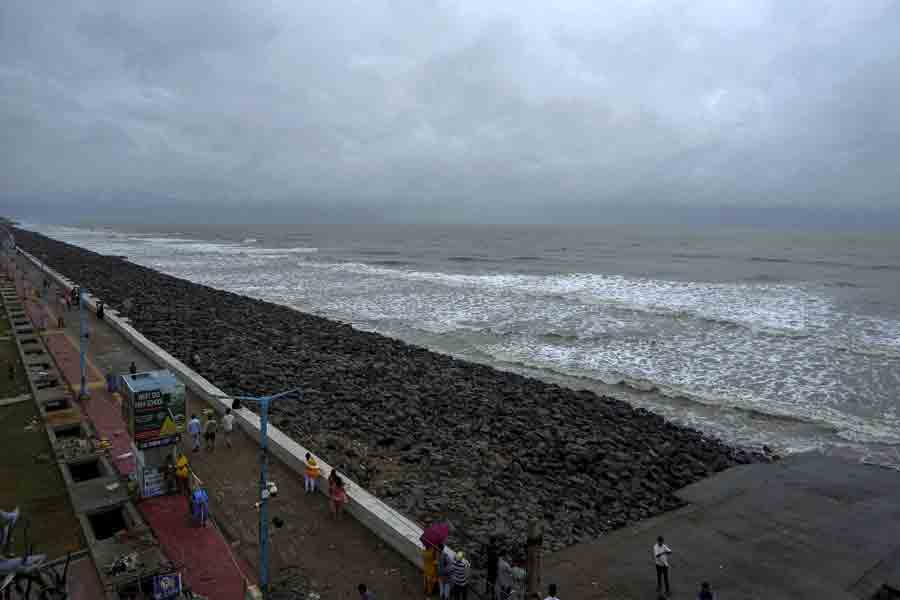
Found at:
[450, 575]
[337, 495]
[447, 571]
[209, 430]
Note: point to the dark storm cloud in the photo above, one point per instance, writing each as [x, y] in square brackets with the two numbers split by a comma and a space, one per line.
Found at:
[448, 109]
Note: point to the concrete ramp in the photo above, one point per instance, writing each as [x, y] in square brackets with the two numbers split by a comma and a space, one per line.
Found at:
[807, 527]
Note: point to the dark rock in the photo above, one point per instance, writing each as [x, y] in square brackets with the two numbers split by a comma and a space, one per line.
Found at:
[439, 435]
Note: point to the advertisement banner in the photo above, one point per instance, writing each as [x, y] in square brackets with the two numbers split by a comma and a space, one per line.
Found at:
[157, 417]
[152, 483]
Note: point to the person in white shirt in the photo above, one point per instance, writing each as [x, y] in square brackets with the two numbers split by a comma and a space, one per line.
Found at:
[661, 554]
[551, 592]
[227, 426]
[193, 429]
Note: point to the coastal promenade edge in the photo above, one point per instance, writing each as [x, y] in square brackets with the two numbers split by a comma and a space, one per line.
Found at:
[395, 529]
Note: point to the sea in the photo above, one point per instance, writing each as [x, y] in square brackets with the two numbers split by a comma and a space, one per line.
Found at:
[788, 339]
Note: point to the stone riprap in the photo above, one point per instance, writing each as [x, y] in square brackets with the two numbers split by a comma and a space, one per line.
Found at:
[436, 437]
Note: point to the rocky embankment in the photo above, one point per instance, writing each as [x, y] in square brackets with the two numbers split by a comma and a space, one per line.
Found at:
[436, 437]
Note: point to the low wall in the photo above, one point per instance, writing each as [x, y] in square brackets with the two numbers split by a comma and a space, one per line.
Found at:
[399, 532]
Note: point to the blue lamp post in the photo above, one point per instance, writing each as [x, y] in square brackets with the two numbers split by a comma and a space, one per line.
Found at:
[263, 403]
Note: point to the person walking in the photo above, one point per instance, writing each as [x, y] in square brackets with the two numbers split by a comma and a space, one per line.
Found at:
[460, 577]
[132, 368]
[551, 592]
[311, 474]
[209, 432]
[705, 592]
[193, 429]
[445, 571]
[227, 426]
[661, 554]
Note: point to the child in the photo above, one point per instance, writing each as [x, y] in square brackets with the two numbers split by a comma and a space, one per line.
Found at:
[311, 476]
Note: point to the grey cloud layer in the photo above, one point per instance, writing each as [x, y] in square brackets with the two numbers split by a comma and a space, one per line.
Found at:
[449, 106]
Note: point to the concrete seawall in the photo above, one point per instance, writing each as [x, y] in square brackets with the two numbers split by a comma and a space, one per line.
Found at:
[396, 530]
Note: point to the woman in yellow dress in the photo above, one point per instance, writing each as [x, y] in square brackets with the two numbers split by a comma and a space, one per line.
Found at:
[429, 560]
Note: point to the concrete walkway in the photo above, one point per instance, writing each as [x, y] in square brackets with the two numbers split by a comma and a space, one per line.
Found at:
[808, 527]
[311, 552]
[210, 568]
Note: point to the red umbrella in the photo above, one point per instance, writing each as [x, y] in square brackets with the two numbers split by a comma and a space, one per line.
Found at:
[435, 534]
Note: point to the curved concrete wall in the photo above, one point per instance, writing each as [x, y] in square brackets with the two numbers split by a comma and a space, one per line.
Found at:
[396, 530]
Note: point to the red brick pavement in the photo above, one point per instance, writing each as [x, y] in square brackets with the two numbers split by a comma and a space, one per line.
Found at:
[210, 566]
[101, 409]
[212, 569]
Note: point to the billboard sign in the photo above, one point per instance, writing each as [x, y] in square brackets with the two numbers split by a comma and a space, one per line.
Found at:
[156, 417]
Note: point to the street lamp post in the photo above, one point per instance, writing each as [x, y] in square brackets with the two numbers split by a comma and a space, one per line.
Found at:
[263, 403]
[82, 393]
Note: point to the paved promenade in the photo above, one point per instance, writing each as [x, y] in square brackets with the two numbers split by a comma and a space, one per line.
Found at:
[211, 569]
[808, 527]
[311, 551]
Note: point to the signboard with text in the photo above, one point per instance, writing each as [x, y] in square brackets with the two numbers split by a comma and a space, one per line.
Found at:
[152, 482]
[167, 586]
[155, 417]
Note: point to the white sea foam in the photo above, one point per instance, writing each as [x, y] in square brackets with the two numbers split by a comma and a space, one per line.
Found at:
[777, 309]
[754, 362]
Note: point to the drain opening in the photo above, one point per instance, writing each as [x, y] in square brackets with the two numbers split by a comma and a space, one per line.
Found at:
[107, 523]
[72, 432]
[84, 471]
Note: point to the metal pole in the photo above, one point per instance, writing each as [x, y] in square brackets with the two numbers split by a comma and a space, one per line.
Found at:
[263, 496]
[264, 402]
[81, 331]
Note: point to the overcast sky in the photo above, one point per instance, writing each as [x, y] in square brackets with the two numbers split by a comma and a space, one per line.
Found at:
[441, 110]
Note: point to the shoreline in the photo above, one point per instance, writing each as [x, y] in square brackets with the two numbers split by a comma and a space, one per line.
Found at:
[433, 436]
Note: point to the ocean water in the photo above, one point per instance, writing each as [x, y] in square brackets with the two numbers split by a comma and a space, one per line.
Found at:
[785, 339]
